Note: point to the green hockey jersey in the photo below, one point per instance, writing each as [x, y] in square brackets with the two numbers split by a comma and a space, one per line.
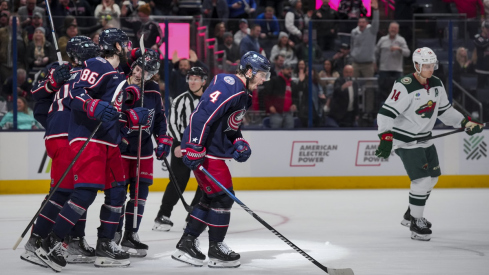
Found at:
[411, 110]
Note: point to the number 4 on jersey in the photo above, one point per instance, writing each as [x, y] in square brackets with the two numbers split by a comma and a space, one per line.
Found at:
[214, 96]
[395, 95]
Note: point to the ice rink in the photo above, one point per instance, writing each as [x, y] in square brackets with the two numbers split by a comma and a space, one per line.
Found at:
[359, 229]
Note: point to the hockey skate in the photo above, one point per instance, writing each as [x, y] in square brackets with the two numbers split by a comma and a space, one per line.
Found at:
[407, 219]
[221, 256]
[79, 252]
[109, 254]
[132, 245]
[118, 237]
[419, 229]
[51, 252]
[188, 251]
[162, 223]
[29, 255]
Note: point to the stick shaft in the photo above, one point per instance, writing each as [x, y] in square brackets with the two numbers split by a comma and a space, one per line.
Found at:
[175, 183]
[55, 41]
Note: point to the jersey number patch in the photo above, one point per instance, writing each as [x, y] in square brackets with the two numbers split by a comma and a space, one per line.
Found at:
[214, 96]
[89, 76]
[395, 95]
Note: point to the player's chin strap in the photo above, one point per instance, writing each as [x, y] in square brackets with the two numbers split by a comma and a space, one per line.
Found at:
[201, 87]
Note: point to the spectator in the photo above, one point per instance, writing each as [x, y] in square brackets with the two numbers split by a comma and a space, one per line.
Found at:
[268, 23]
[463, 66]
[239, 9]
[278, 64]
[6, 52]
[279, 99]
[148, 27]
[4, 15]
[178, 77]
[36, 22]
[25, 118]
[71, 30]
[344, 103]
[27, 12]
[301, 89]
[363, 39]
[3, 107]
[232, 51]
[326, 25]
[350, 11]
[215, 11]
[242, 32]
[277, 5]
[390, 52]
[481, 42]
[250, 42]
[342, 58]
[95, 36]
[284, 47]
[4, 5]
[79, 9]
[302, 49]
[299, 72]
[471, 8]
[189, 7]
[24, 85]
[129, 12]
[40, 52]
[109, 12]
[295, 21]
[219, 31]
[327, 85]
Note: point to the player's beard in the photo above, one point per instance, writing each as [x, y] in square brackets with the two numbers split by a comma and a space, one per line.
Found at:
[122, 57]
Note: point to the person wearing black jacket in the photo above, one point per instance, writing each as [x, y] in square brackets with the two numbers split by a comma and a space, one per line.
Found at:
[344, 104]
[325, 27]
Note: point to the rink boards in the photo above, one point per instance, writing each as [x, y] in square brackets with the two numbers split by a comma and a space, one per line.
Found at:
[315, 159]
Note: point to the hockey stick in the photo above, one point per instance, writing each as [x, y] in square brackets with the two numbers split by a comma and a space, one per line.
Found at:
[331, 271]
[58, 53]
[51, 192]
[138, 162]
[180, 193]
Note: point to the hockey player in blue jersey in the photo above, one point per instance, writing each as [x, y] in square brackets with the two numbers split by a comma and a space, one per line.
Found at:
[213, 136]
[95, 99]
[53, 110]
[129, 148]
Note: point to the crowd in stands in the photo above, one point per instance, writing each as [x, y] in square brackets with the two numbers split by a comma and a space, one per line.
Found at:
[351, 45]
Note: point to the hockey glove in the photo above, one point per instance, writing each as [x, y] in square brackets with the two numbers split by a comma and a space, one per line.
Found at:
[473, 126]
[164, 146]
[133, 94]
[137, 116]
[385, 146]
[60, 75]
[134, 54]
[194, 155]
[100, 110]
[242, 150]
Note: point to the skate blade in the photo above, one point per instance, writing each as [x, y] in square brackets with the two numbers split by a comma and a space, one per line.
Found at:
[30, 257]
[420, 237]
[406, 223]
[136, 253]
[215, 263]
[109, 262]
[80, 259]
[185, 258]
[162, 227]
[43, 256]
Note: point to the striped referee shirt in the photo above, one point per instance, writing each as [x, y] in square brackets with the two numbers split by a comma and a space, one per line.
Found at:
[181, 109]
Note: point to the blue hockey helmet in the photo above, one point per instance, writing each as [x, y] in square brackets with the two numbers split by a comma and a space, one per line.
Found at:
[151, 64]
[256, 62]
[81, 48]
[109, 37]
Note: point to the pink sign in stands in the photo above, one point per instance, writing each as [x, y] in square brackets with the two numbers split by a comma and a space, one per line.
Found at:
[179, 39]
[335, 3]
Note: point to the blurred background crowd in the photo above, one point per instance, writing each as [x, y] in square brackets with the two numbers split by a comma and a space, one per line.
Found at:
[353, 47]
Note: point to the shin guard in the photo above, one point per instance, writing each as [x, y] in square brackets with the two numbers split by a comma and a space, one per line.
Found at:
[45, 222]
[197, 221]
[142, 196]
[219, 217]
[110, 212]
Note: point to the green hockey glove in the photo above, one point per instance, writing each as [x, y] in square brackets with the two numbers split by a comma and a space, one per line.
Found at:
[385, 146]
[473, 126]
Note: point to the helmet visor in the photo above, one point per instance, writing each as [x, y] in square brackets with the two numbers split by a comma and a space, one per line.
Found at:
[265, 76]
[429, 67]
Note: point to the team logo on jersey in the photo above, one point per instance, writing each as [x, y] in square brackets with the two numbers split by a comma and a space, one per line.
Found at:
[426, 110]
[229, 80]
[406, 80]
[118, 101]
[235, 120]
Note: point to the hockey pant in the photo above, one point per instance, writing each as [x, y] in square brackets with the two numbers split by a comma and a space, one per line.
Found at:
[111, 211]
[214, 212]
[129, 213]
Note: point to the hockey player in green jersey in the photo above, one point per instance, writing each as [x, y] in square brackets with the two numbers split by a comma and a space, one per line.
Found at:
[408, 114]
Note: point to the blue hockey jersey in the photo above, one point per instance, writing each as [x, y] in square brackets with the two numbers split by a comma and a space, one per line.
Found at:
[157, 126]
[98, 80]
[216, 121]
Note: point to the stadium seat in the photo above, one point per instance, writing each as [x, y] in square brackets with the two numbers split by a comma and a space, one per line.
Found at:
[469, 82]
[433, 43]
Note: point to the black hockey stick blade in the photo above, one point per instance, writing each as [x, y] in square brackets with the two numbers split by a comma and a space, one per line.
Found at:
[331, 271]
[175, 183]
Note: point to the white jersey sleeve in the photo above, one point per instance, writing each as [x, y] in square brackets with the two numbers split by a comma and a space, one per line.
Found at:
[446, 113]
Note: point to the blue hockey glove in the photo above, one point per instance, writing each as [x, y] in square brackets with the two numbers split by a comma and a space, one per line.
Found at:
[473, 126]
[385, 146]
[242, 150]
[100, 110]
[60, 75]
[194, 155]
[133, 94]
[137, 116]
[164, 146]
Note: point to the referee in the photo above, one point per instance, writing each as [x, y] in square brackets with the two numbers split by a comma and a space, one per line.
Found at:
[181, 109]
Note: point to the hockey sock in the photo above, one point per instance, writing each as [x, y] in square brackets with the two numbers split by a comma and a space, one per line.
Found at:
[121, 220]
[110, 211]
[78, 204]
[45, 222]
[142, 196]
[197, 222]
[79, 229]
[418, 195]
[219, 217]
[434, 181]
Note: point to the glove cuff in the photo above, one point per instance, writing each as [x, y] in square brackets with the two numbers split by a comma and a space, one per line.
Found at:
[90, 106]
[240, 139]
[387, 136]
[165, 140]
[192, 153]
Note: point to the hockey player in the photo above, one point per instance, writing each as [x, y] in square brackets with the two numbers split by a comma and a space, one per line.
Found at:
[417, 100]
[53, 104]
[181, 109]
[212, 136]
[129, 150]
[99, 167]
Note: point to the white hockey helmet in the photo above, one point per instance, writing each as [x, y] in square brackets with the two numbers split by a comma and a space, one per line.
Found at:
[424, 56]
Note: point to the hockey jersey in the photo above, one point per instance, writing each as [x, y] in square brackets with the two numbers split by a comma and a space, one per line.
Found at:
[411, 110]
[216, 121]
[157, 126]
[98, 80]
[42, 95]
